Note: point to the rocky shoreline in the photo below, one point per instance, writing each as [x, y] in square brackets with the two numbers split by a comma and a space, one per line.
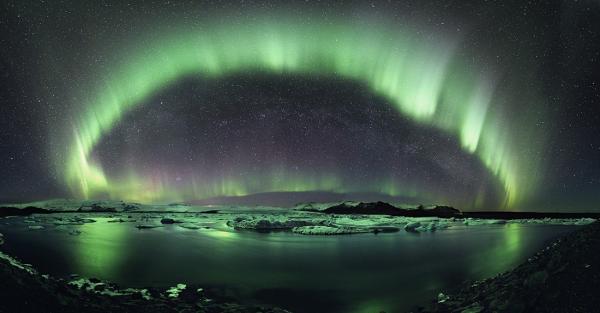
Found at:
[563, 277]
[24, 289]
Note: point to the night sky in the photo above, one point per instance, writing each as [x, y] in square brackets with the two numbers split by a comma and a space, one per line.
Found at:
[482, 105]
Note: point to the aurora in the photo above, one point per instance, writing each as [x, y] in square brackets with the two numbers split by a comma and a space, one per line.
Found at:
[420, 75]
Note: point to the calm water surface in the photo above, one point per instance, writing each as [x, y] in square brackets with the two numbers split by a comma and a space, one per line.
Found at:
[391, 272]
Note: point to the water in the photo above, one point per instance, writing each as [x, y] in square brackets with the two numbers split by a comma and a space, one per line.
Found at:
[392, 272]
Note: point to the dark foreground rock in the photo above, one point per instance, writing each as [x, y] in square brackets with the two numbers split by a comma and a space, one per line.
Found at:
[563, 277]
[23, 289]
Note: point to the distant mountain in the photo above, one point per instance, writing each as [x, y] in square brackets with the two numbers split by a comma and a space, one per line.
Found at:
[388, 209]
[290, 199]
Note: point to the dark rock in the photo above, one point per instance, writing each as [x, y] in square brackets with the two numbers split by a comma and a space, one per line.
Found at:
[385, 229]
[445, 211]
[169, 221]
[210, 212]
[130, 207]
[13, 211]
[554, 280]
[473, 308]
[100, 287]
[536, 279]
[383, 208]
[147, 226]
[364, 208]
[412, 227]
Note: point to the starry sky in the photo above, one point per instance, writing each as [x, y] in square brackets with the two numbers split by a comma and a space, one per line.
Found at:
[482, 105]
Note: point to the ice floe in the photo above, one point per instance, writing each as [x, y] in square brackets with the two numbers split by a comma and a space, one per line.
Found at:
[174, 292]
[328, 230]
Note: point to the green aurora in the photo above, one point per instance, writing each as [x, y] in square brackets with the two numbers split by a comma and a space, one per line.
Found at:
[419, 73]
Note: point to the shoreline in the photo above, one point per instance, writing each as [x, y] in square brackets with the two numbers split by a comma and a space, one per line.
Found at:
[562, 277]
[30, 291]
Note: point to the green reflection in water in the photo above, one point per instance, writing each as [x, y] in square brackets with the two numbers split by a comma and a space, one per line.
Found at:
[98, 249]
[221, 234]
[505, 252]
[371, 306]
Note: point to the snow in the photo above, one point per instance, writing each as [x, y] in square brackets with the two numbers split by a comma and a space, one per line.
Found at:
[121, 220]
[363, 220]
[442, 297]
[71, 205]
[189, 226]
[75, 220]
[412, 227]
[433, 226]
[309, 223]
[145, 294]
[99, 287]
[544, 221]
[328, 230]
[174, 292]
[267, 222]
[16, 263]
[302, 222]
[320, 206]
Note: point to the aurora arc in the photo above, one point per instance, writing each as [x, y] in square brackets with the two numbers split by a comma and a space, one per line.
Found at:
[421, 77]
